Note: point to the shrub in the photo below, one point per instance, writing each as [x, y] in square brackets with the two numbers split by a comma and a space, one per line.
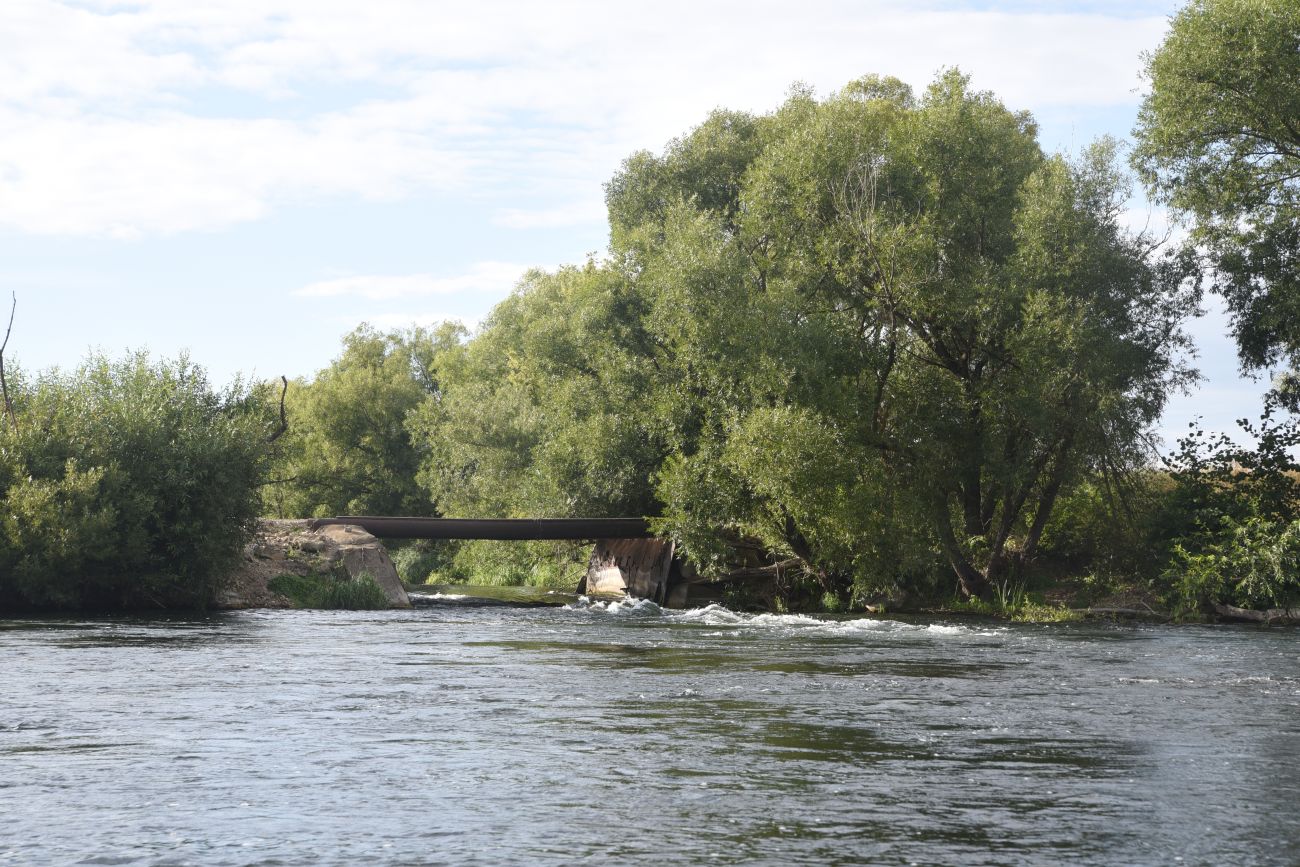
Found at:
[1255, 564]
[550, 564]
[423, 561]
[127, 483]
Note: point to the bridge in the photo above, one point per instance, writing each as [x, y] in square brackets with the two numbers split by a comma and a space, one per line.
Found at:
[627, 558]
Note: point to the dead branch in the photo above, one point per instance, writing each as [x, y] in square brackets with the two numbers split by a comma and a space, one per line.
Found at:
[284, 419]
[1247, 615]
[4, 383]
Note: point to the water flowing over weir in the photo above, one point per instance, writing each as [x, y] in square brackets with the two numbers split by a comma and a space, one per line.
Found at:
[621, 732]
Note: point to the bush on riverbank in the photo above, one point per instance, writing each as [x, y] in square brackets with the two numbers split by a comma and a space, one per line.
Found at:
[127, 483]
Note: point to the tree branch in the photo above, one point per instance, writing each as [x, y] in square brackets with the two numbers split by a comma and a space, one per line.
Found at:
[4, 383]
[284, 419]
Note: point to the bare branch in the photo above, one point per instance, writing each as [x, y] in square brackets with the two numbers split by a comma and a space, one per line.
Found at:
[4, 383]
[284, 419]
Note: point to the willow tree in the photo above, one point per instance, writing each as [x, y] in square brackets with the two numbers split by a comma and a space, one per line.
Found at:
[893, 322]
[347, 450]
[1219, 141]
[543, 415]
[868, 333]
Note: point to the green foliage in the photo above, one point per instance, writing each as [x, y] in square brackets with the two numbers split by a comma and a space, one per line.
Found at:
[1251, 564]
[423, 561]
[1116, 528]
[324, 591]
[551, 565]
[127, 483]
[1014, 603]
[908, 335]
[1235, 517]
[347, 450]
[544, 414]
[1219, 142]
[875, 333]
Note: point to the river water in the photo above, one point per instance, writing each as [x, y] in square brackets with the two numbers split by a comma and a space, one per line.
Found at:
[625, 734]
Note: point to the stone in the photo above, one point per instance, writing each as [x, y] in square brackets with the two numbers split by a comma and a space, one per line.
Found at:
[345, 551]
[373, 560]
[270, 552]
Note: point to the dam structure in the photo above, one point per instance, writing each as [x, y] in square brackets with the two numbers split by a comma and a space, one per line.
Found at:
[627, 560]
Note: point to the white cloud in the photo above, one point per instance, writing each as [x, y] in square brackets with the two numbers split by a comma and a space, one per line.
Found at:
[173, 173]
[484, 277]
[169, 115]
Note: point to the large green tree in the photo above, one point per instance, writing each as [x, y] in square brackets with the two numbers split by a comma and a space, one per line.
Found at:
[347, 449]
[1219, 141]
[871, 333]
[908, 319]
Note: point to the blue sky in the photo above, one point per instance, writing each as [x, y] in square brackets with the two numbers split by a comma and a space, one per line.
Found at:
[250, 179]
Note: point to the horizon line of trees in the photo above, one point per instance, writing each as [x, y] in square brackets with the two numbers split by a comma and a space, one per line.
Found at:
[880, 334]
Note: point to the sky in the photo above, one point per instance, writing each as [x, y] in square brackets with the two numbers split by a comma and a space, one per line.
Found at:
[248, 180]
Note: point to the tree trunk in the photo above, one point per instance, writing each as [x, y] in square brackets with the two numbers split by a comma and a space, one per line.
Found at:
[972, 582]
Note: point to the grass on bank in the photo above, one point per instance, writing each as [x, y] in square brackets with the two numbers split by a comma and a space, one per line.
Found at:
[322, 591]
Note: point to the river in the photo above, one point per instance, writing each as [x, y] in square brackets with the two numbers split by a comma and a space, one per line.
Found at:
[629, 735]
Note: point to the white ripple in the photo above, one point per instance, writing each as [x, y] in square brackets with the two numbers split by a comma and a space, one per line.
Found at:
[716, 615]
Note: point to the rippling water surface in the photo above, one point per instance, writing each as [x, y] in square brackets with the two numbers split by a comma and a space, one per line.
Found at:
[623, 734]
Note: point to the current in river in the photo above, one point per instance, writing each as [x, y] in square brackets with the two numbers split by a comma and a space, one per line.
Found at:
[625, 734]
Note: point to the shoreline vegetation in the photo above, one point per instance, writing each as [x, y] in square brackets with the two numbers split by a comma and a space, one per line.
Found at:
[874, 349]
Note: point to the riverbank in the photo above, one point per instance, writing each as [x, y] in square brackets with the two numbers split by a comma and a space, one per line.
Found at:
[290, 565]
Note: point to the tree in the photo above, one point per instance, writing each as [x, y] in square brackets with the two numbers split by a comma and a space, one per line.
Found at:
[543, 415]
[347, 449]
[1219, 141]
[868, 333]
[909, 319]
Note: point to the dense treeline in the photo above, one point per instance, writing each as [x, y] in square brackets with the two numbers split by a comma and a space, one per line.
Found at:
[881, 336]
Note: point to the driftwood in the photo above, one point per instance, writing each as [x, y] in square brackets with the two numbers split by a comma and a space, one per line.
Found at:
[1247, 615]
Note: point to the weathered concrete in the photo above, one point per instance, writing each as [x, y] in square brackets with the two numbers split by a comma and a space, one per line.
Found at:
[632, 567]
[291, 547]
[359, 553]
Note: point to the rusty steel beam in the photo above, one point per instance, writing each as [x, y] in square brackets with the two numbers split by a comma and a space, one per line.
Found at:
[504, 529]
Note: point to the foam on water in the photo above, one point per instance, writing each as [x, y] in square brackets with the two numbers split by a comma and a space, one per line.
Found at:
[622, 607]
[715, 615]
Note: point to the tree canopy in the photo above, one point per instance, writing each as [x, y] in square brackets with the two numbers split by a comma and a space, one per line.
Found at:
[871, 332]
[347, 450]
[1219, 141]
